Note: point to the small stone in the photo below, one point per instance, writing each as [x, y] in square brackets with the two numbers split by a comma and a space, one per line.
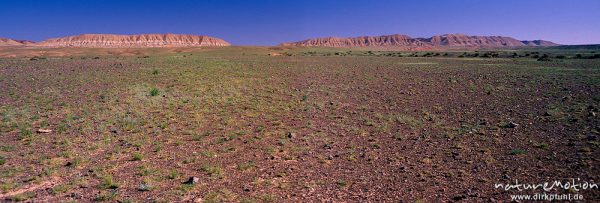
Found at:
[510, 125]
[426, 161]
[483, 121]
[44, 130]
[192, 180]
[144, 187]
[114, 130]
[291, 135]
[76, 196]
[459, 197]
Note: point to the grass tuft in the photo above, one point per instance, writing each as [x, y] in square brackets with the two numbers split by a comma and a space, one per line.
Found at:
[154, 92]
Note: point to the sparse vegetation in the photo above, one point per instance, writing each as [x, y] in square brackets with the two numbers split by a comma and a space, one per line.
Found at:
[246, 166]
[154, 92]
[23, 196]
[173, 174]
[137, 156]
[258, 128]
[108, 183]
[213, 171]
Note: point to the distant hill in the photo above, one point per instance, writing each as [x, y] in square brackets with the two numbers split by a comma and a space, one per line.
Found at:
[542, 43]
[584, 46]
[142, 40]
[447, 41]
[9, 42]
[25, 42]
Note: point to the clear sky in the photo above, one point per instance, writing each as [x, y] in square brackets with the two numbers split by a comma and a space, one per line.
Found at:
[270, 22]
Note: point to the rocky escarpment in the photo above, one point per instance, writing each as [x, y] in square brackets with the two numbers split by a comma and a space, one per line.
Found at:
[142, 40]
[435, 42]
[386, 40]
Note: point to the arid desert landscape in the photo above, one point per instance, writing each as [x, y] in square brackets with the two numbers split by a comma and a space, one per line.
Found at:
[328, 101]
[186, 118]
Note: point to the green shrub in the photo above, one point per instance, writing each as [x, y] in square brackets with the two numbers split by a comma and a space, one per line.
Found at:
[154, 92]
[245, 166]
[173, 174]
[517, 152]
[137, 156]
[108, 183]
[213, 171]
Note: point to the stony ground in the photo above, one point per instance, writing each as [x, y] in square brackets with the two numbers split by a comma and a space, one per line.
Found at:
[302, 128]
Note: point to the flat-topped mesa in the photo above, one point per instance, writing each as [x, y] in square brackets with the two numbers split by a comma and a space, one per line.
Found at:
[364, 41]
[142, 40]
[435, 42]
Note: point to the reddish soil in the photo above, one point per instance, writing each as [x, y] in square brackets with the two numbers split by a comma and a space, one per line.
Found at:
[255, 128]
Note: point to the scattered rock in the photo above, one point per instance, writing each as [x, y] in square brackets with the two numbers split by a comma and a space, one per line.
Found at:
[291, 135]
[144, 187]
[75, 195]
[114, 130]
[483, 121]
[192, 180]
[426, 161]
[459, 197]
[44, 130]
[510, 125]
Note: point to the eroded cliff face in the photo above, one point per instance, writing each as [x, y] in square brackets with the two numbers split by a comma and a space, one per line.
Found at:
[142, 40]
[386, 40]
[474, 41]
[435, 42]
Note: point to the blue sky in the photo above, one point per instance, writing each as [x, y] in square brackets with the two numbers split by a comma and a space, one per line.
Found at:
[270, 22]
